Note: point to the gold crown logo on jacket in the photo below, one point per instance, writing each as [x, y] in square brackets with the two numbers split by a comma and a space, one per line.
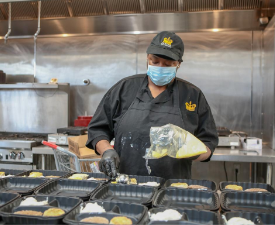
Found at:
[167, 42]
[190, 106]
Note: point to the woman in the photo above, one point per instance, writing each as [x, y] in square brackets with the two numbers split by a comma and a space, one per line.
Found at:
[137, 103]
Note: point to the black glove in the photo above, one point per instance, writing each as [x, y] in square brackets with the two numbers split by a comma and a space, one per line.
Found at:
[109, 163]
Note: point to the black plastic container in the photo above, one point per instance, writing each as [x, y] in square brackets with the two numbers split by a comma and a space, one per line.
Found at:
[67, 204]
[145, 179]
[69, 188]
[187, 198]
[45, 173]
[136, 211]
[193, 215]
[266, 218]
[6, 198]
[211, 185]
[248, 201]
[21, 185]
[246, 185]
[14, 172]
[126, 193]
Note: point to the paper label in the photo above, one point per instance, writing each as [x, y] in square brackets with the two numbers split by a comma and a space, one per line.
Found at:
[52, 139]
[62, 140]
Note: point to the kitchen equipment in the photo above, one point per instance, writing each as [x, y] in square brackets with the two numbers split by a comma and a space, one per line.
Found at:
[82, 121]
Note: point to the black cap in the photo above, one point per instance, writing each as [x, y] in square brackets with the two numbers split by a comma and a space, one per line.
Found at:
[167, 44]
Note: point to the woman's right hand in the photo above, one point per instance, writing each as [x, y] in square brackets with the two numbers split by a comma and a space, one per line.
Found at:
[109, 163]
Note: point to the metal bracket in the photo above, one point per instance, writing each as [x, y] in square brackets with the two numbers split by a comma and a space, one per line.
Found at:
[105, 7]
[9, 26]
[69, 7]
[180, 5]
[142, 6]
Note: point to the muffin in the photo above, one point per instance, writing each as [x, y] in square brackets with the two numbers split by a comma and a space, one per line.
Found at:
[180, 185]
[54, 212]
[36, 174]
[121, 220]
[234, 187]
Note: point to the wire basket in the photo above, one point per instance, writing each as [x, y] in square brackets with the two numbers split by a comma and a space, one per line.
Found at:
[68, 162]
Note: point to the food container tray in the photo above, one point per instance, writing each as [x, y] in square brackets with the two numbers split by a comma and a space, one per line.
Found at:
[21, 185]
[14, 172]
[187, 198]
[145, 179]
[61, 174]
[6, 197]
[69, 188]
[136, 211]
[246, 185]
[96, 176]
[210, 185]
[193, 215]
[265, 217]
[248, 201]
[65, 203]
[173, 222]
[125, 193]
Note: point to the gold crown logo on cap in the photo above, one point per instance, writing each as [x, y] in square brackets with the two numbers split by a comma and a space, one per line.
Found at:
[190, 106]
[167, 42]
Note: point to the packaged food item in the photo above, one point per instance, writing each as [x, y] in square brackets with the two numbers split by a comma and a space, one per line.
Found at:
[152, 184]
[173, 141]
[256, 190]
[95, 219]
[234, 187]
[239, 221]
[53, 212]
[92, 208]
[121, 220]
[29, 213]
[179, 185]
[32, 201]
[79, 176]
[36, 174]
[169, 214]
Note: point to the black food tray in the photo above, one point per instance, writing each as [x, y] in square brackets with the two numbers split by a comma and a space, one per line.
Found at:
[246, 185]
[69, 188]
[248, 201]
[45, 173]
[126, 193]
[6, 197]
[187, 198]
[21, 185]
[193, 215]
[136, 211]
[14, 172]
[67, 204]
[94, 175]
[173, 222]
[145, 179]
[211, 185]
[265, 218]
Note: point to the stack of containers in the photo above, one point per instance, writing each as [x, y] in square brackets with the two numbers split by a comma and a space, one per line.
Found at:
[250, 203]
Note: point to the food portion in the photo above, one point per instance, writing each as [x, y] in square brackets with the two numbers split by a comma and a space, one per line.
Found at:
[29, 213]
[152, 184]
[92, 208]
[169, 214]
[98, 179]
[53, 212]
[234, 187]
[3, 175]
[52, 177]
[256, 190]
[197, 187]
[239, 221]
[179, 185]
[32, 201]
[36, 174]
[79, 176]
[95, 219]
[133, 181]
[121, 220]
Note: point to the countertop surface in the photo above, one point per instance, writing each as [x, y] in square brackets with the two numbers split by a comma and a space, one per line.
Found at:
[266, 155]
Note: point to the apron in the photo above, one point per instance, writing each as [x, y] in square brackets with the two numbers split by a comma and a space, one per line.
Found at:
[132, 137]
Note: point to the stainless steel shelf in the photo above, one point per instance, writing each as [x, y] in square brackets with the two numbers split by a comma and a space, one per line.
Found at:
[29, 86]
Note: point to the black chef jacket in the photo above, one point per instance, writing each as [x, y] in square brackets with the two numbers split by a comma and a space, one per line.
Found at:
[118, 99]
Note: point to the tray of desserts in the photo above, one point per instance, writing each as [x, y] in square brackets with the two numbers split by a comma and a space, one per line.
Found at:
[47, 174]
[246, 186]
[6, 197]
[187, 198]
[69, 188]
[107, 212]
[240, 218]
[125, 193]
[205, 185]
[175, 214]
[11, 173]
[248, 201]
[38, 209]
[21, 185]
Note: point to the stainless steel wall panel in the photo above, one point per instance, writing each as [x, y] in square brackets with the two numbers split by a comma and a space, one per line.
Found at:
[104, 60]
[220, 65]
[268, 83]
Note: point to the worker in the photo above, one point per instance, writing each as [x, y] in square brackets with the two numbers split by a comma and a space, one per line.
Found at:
[137, 103]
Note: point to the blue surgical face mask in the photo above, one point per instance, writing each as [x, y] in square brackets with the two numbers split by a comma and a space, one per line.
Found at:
[161, 76]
